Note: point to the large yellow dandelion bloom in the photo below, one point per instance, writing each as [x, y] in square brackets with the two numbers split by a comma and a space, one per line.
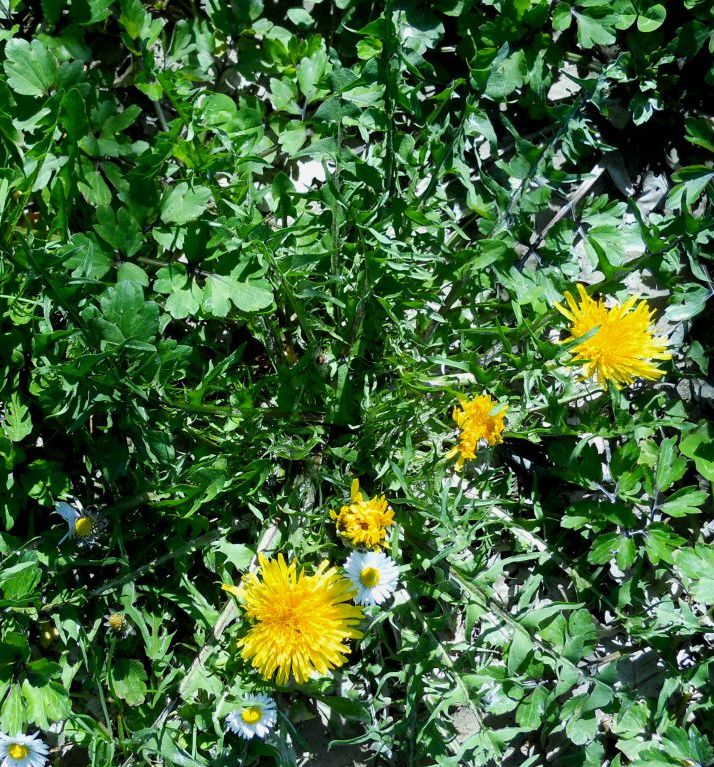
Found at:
[300, 622]
[621, 343]
[480, 418]
[364, 522]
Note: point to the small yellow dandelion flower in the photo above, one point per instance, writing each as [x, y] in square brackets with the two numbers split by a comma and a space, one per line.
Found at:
[301, 623]
[621, 344]
[364, 522]
[480, 418]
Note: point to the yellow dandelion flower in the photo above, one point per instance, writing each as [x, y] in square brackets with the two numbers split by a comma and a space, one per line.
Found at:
[621, 344]
[480, 418]
[301, 623]
[364, 522]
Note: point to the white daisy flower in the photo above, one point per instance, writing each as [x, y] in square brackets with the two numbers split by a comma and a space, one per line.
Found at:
[82, 523]
[373, 574]
[256, 715]
[118, 624]
[22, 751]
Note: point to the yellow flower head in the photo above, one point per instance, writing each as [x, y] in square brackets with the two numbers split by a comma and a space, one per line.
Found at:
[363, 522]
[300, 622]
[480, 418]
[621, 344]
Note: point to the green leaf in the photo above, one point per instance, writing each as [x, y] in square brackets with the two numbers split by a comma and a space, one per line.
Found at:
[581, 730]
[251, 298]
[238, 554]
[185, 302]
[93, 11]
[180, 204]
[300, 17]
[344, 707]
[219, 111]
[309, 73]
[133, 18]
[126, 316]
[697, 564]
[592, 32]
[661, 542]
[699, 446]
[530, 712]
[21, 579]
[128, 679]
[87, 257]
[671, 466]
[30, 67]
[693, 180]
[609, 546]
[175, 755]
[490, 252]
[284, 96]
[13, 715]
[685, 501]
[651, 17]
[700, 132]
[220, 292]
[17, 423]
[73, 115]
[120, 231]
[132, 273]
[520, 649]
[47, 700]
[281, 189]
[562, 17]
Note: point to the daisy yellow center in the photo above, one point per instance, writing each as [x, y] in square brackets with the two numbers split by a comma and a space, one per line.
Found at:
[116, 621]
[618, 344]
[300, 623]
[370, 577]
[18, 751]
[251, 715]
[83, 527]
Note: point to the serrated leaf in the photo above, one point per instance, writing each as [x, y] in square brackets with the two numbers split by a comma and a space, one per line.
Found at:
[581, 730]
[182, 204]
[126, 315]
[30, 67]
[699, 446]
[129, 680]
[661, 542]
[220, 291]
[671, 466]
[17, 423]
[12, 715]
[685, 501]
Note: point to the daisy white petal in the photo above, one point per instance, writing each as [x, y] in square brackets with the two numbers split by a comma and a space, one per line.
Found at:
[255, 716]
[22, 751]
[373, 574]
[82, 524]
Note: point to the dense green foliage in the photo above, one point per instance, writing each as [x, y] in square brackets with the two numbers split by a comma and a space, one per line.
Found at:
[251, 250]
